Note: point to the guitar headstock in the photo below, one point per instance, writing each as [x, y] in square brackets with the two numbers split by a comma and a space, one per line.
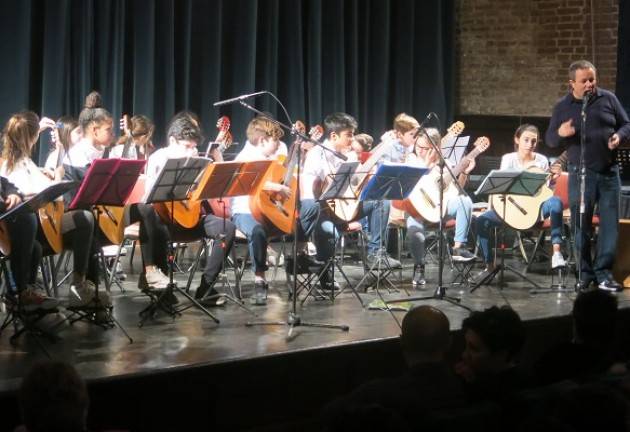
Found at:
[455, 129]
[224, 136]
[481, 144]
[316, 132]
[125, 125]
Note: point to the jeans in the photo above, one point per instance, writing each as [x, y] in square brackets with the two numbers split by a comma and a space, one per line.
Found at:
[326, 231]
[80, 239]
[551, 208]
[26, 252]
[602, 189]
[459, 208]
[257, 239]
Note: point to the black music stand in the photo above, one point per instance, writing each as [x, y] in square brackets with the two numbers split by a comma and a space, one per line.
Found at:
[174, 183]
[15, 313]
[225, 180]
[106, 182]
[508, 182]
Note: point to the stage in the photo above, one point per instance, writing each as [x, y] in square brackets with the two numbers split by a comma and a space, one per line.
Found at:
[232, 376]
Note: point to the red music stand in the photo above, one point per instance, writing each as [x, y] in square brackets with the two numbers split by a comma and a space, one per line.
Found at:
[106, 182]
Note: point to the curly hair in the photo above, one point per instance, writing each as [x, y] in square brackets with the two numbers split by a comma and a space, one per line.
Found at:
[17, 136]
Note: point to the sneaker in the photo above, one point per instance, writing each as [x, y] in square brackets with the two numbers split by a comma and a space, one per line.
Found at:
[393, 263]
[610, 285]
[34, 298]
[557, 260]
[462, 254]
[584, 285]
[418, 280]
[213, 298]
[260, 293]
[156, 279]
[327, 282]
[82, 295]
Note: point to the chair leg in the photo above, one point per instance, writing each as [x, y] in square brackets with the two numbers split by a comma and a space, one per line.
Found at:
[539, 240]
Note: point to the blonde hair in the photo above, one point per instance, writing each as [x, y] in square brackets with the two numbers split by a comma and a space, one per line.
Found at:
[260, 128]
[18, 134]
[403, 123]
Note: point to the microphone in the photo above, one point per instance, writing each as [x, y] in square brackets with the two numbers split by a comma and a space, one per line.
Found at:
[420, 128]
[239, 98]
[587, 96]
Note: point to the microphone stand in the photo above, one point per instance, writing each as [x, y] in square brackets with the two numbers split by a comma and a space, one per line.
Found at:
[440, 291]
[293, 319]
[579, 222]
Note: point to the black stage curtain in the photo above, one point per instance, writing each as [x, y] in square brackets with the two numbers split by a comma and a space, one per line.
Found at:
[623, 55]
[370, 58]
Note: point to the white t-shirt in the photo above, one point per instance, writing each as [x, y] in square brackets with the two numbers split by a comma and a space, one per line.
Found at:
[319, 164]
[82, 154]
[240, 204]
[158, 159]
[511, 161]
[116, 151]
[26, 176]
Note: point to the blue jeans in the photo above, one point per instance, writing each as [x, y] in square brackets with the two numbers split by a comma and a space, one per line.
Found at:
[326, 231]
[602, 189]
[257, 239]
[552, 208]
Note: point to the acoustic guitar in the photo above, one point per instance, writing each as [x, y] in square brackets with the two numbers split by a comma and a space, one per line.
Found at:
[424, 200]
[347, 208]
[522, 212]
[50, 215]
[5, 240]
[221, 207]
[269, 208]
[187, 213]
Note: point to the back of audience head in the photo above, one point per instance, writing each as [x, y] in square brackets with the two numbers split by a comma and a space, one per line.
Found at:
[494, 337]
[595, 318]
[53, 397]
[425, 335]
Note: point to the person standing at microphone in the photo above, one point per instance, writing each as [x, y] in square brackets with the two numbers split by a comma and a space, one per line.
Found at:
[607, 126]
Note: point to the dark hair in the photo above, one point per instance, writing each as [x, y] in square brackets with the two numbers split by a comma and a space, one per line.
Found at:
[365, 141]
[425, 331]
[500, 329]
[139, 125]
[526, 127]
[580, 64]
[66, 125]
[53, 397]
[184, 127]
[595, 317]
[93, 111]
[338, 122]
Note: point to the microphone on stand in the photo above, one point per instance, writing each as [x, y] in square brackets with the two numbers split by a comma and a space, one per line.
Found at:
[420, 128]
[587, 96]
[238, 98]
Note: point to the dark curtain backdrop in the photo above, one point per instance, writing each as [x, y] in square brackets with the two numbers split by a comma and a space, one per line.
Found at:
[370, 58]
[623, 55]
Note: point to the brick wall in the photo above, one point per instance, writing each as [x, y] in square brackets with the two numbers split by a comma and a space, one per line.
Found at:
[513, 54]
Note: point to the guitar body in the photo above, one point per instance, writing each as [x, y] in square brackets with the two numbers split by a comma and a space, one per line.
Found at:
[345, 209]
[521, 212]
[111, 219]
[267, 208]
[186, 213]
[50, 222]
[424, 200]
[5, 240]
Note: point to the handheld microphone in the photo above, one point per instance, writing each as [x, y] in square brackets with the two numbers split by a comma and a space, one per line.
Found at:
[238, 98]
[587, 96]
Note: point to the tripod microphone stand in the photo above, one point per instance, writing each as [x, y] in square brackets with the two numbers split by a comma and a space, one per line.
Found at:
[440, 291]
[294, 319]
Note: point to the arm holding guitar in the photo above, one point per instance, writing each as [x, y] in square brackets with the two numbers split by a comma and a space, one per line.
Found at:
[277, 188]
[465, 175]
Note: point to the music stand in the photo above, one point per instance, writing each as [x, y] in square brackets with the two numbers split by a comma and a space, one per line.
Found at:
[106, 182]
[453, 148]
[174, 183]
[29, 324]
[509, 182]
[225, 180]
[390, 182]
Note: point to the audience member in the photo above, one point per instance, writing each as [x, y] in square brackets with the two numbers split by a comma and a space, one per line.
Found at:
[53, 398]
[591, 350]
[489, 365]
[427, 385]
